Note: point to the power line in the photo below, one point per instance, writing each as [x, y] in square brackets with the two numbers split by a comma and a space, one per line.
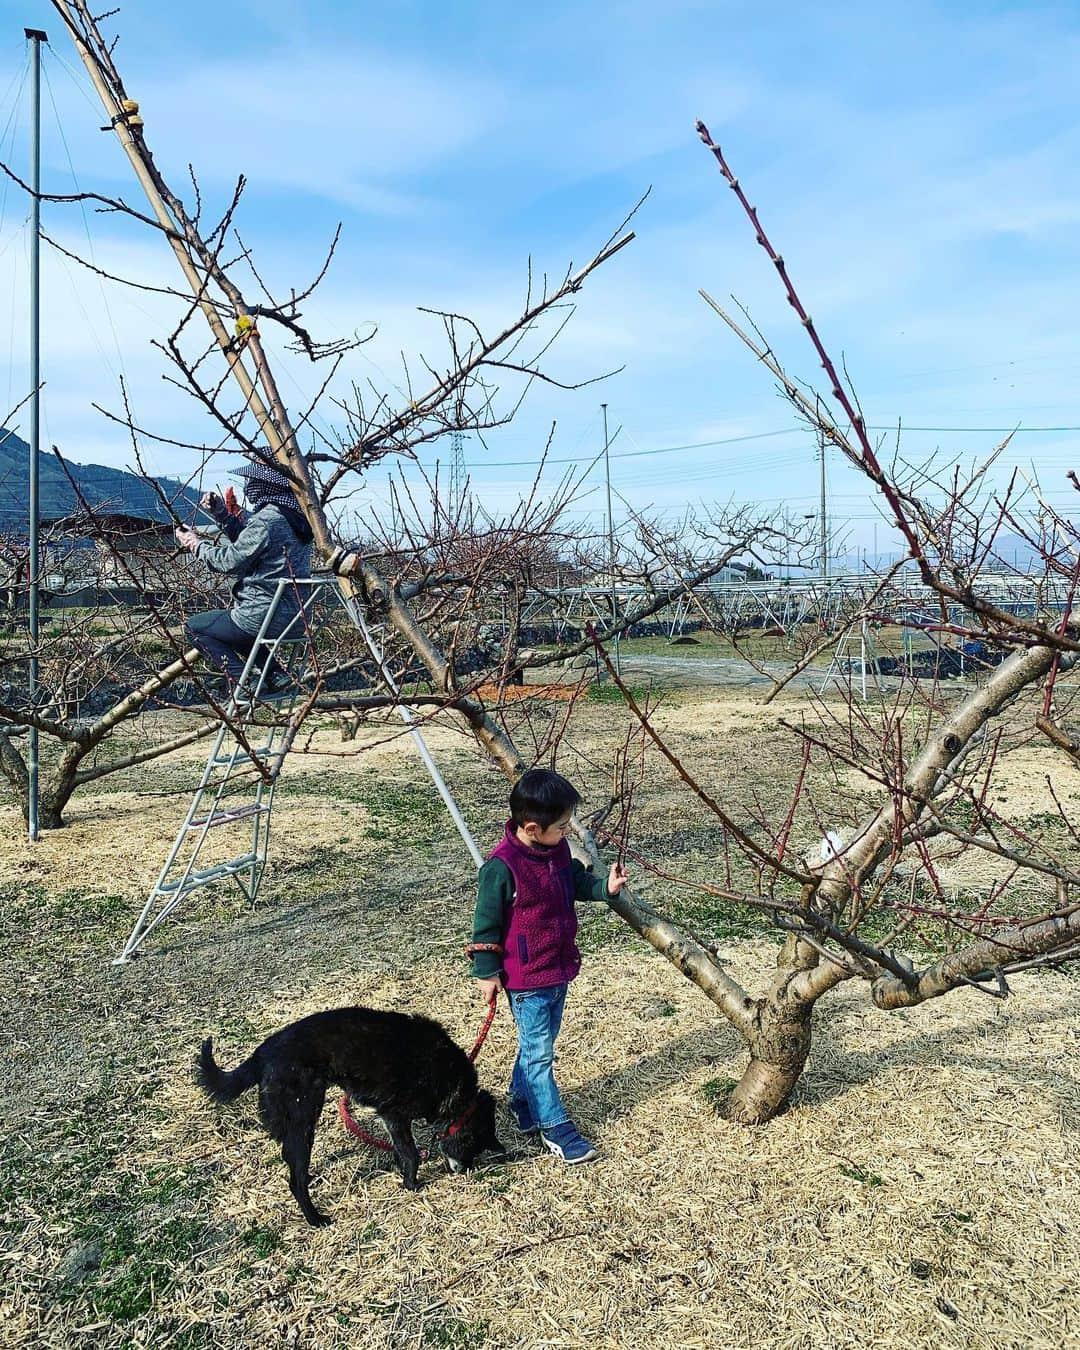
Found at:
[763, 435]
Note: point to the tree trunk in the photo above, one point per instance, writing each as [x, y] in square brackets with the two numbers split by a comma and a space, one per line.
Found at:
[779, 1037]
[50, 811]
[50, 803]
[780, 1045]
[53, 796]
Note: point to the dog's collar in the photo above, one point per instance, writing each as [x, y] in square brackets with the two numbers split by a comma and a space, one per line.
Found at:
[456, 1125]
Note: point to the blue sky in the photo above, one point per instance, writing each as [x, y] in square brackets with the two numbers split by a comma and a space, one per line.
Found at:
[917, 166]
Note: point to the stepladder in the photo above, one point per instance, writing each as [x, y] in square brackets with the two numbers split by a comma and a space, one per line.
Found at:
[226, 830]
[845, 663]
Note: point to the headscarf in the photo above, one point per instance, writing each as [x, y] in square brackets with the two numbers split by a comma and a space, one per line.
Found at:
[266, 486]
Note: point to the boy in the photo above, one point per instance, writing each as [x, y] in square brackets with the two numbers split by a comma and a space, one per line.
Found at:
[523, 940]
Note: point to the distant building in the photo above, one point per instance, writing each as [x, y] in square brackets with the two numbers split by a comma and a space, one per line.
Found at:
[107, 548]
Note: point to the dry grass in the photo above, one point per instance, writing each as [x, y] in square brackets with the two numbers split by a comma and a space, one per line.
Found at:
[898, 1202]
[921, 1190]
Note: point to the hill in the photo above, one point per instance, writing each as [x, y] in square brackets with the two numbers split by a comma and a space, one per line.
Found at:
[100, 486]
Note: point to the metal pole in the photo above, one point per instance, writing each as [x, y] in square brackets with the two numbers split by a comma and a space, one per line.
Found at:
[822, 524]
[36, 37]
[611, 538]
[407, 716]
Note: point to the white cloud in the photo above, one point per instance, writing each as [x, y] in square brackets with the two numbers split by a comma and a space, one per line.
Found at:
[927, 210]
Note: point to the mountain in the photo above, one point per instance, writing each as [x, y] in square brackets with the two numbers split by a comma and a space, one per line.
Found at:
[108, 489]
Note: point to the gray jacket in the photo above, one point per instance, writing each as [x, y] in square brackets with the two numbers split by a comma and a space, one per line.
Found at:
[267, 550]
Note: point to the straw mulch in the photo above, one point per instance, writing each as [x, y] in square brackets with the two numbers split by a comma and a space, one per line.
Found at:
[920, 1192]
[511, 693]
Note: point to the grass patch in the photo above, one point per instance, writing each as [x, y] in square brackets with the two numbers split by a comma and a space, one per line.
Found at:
[600, 931]
[717, 1090]
[396, 810]
[722, 919]
[498, 1180]
[611, 693]
[856, 1172]
[136, 1265]
[261, 1241]
[451, 1333]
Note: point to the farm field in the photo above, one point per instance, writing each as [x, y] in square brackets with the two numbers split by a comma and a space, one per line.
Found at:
[920, 1191]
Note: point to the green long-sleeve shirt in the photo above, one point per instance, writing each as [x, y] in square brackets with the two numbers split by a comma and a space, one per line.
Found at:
[492, 914]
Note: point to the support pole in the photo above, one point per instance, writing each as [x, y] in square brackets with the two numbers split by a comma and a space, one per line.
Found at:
[823, 522]
[36, 38]
[407, 716]
[611, 539]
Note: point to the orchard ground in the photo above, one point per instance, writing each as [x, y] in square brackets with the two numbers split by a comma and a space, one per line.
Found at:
[921, 1189]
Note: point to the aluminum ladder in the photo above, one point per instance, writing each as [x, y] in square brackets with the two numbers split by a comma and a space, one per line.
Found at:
[236, 788]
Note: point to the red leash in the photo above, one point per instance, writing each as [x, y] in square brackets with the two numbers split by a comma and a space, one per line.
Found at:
[492, 1008]
[384, 1145]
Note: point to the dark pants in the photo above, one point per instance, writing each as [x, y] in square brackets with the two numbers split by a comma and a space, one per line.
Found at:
[224, 644]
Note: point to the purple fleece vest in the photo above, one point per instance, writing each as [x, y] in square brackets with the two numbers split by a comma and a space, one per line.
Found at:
[539, 947]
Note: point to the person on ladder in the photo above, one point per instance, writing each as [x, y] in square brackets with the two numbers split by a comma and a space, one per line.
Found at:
[270, 544]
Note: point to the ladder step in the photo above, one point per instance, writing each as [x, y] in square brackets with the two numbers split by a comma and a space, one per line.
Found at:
[236, 757]
[228, 816]
[207, 874]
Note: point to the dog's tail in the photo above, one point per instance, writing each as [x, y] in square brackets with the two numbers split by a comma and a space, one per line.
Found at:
[220, 1084]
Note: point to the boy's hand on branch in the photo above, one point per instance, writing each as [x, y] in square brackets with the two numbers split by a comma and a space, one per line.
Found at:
[616, 879]
[187, 539]
[489, 989]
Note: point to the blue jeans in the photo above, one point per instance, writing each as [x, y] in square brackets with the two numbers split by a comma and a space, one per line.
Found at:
[538, 1016]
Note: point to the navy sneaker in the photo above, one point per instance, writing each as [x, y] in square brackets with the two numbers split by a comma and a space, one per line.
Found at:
[565, 1142]
[521, 1115]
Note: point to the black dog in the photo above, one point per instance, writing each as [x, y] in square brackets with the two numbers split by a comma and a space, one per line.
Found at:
[406, 1068]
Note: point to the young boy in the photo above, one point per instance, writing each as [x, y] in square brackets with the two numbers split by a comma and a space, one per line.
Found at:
[525, 911]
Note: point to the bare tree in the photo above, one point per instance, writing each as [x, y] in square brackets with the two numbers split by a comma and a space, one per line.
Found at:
[866, 902]
[100, 663]
[836, 901]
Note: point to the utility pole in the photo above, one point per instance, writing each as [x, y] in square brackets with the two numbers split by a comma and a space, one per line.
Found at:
[36, 38]
[822, 522]
[611, 538]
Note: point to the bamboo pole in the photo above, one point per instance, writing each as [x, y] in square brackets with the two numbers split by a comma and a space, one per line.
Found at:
[270, 414]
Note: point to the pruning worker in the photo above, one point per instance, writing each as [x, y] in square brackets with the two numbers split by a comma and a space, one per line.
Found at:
[268, 544]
